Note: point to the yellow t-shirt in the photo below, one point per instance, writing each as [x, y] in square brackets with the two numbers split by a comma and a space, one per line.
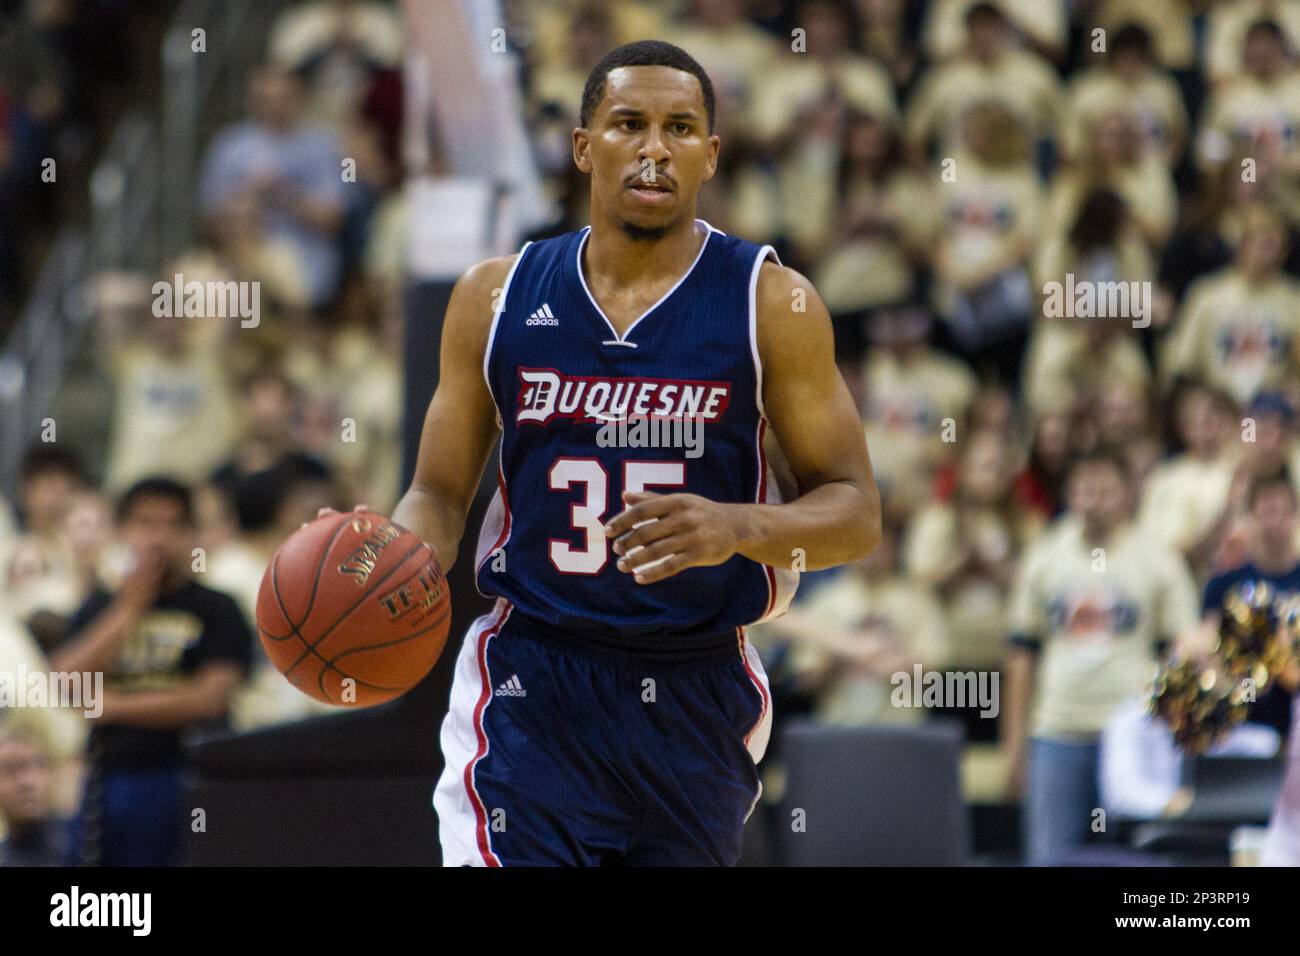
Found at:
[1020, 81]
[1182, 498]
[975, 609]
[793, 81]
[907, 610]
[1155, 101]
[1062, 364]
[984, 217]
[1098, 612]
[173, 416]
[1245, 111]
[1236, 335]
[1146, 187]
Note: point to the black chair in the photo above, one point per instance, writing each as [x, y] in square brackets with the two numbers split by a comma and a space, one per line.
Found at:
[873, 796]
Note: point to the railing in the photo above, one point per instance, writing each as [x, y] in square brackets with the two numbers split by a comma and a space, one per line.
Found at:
[143, 206]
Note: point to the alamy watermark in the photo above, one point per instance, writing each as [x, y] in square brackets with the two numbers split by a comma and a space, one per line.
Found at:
[1085, 299]
[949, 689]
[212, 299]
[654, 432]
[75, 690]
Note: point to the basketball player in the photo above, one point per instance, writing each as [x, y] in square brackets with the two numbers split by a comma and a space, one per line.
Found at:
[609, 709]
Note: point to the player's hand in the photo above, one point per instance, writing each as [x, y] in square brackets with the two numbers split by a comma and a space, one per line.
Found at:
[656, 536]
[326, 512]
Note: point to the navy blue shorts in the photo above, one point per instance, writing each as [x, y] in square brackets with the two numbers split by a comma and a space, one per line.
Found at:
[561, 752]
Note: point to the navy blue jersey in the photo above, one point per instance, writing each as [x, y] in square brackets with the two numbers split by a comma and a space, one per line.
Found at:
[685, 383]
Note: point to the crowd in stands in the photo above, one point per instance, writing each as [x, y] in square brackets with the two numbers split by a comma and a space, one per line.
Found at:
[936, 169]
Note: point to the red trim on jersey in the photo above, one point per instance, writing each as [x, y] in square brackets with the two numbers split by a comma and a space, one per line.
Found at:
[480, 812]
[505, 520]
[768, 571]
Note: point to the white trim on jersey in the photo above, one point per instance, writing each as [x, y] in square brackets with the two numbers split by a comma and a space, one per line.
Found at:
[622, 339]
[496, 317]
[781, 582]
[763, 254]
[757, 739]
[463, 828]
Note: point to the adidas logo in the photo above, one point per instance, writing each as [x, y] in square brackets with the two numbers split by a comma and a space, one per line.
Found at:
[543, 316]
[512, 688]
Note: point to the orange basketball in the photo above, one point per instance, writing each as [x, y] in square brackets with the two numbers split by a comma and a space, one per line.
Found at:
[354, 610]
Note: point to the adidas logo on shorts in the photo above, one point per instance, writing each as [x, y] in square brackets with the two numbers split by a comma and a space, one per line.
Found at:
[543, 316]
[512, 688]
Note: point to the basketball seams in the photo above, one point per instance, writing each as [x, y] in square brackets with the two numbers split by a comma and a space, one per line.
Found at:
[331, 665]
[361, 600]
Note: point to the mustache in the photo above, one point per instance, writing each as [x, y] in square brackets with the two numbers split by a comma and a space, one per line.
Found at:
[660, 179]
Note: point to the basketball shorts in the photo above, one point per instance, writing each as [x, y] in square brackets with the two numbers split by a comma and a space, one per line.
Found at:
[567, 751]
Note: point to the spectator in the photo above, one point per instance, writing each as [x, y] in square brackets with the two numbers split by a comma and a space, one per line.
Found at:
[990, 70]
[1042, 25]
[336, 46]
[271, 505]
[1238, 328]
[912, 394]
[966, 550]
[290, 170]
[1229, 31]
[1072, 358]
[1270, 558]
[1187, 502]
[1113, 156]
[1260, 107]
[864, 625]
[173, 651]
[1092, 597]
[1129, 79]
[36, 835]
[987, 226]
[174, 410]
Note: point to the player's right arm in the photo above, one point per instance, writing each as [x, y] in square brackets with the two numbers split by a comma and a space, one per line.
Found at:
[460, 426]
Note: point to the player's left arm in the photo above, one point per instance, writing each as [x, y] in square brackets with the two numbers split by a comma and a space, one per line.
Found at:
[835, 520]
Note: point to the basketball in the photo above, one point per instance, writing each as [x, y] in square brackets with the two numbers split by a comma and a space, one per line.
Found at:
[353, 609]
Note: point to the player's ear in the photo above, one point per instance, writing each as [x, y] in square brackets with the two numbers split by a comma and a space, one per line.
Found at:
[711, 166]
[581, 146]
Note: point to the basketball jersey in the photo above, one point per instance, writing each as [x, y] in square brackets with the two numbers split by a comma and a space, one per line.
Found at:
[563, 379]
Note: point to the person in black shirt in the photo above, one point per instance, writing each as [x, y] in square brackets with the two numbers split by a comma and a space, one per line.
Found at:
[1274, 560]
[36, 836]
[172, 652]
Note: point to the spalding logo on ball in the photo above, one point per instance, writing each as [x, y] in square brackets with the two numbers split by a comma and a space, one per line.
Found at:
[354, 609]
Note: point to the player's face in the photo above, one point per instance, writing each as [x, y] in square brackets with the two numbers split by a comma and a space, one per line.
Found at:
[647, 148]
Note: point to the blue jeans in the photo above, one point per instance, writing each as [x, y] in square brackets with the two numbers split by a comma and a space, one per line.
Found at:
[1061, 793]
[141, 820]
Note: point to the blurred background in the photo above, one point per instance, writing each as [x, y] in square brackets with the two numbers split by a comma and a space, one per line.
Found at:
[933, 167]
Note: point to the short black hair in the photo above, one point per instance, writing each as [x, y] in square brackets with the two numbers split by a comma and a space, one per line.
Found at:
[983, 11]
[155, 486]
[643, 53]
[1266, 25]
[1132, 38]
[42, 458]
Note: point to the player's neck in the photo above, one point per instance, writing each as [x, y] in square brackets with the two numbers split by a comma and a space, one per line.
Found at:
[614, 258]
